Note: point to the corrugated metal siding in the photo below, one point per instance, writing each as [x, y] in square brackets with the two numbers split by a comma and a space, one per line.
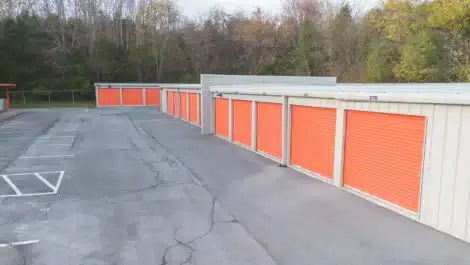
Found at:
[184, 105]
[446, 183]
[313, 139]
[383, 156]
[242, 122]
[193, 107]
[221, 117]
[269, 128]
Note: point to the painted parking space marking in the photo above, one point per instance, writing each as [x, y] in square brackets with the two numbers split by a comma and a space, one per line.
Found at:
[12, 185]
[45, 182]
[37, 157]
[50, 156]
[40, 138]
[10, 180]
[18, 243]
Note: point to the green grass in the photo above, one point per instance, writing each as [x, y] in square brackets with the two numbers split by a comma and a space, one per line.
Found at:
[58, 104]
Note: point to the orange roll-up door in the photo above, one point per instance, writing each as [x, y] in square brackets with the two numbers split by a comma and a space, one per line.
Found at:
[132, 97]
[221, 117]
[176, 106]
[193, 108]
[383, 156]
[152, 97]
[269, 128]
[184, 105]
[242, 122]
[313, 139]
[109, 96]
[169, 102]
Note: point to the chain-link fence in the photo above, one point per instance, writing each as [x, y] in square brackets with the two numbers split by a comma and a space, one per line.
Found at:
[51, 98]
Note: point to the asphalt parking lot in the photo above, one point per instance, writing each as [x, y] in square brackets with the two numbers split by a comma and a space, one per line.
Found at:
[88, 187]
[132, 186]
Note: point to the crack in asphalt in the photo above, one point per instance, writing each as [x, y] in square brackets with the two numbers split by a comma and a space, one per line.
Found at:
[172, 161]
[187, 244]
[201, 184]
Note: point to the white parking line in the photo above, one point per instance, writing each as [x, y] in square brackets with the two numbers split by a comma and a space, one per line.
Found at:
[29, 194]
[54, 188]
[45, 181]
[39, 138]
[58, 137]
[19, 243]
[52, 156]
[36, 157]
[62, 173]
[48, 145]
[13, 186]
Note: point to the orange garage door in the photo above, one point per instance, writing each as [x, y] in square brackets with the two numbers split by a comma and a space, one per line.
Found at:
[184, 105]
[221, 117]
[152, 97]
[269, 128]
[242, 122]
[169, 102]
[109, 97]
[176, 107]
[383, 156]
[313, 139]
[193, 108]
[132, 97]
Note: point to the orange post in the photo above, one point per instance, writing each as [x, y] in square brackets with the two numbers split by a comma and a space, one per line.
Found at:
[7, 95]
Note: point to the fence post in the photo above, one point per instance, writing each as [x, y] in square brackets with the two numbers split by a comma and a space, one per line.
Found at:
[49, 97]
[23, 96]
[73, 97]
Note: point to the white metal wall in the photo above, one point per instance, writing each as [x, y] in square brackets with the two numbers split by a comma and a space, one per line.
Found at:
[445, 188]
[446, 176]
[177, 92]
[445, 191]
[209, 80]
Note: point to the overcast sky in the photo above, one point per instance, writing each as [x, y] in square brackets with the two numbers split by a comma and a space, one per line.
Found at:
[192, 8]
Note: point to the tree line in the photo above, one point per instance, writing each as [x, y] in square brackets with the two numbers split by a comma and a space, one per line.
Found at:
[70, 44]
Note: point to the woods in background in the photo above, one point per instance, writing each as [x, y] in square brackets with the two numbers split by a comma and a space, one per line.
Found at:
[70, 44]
